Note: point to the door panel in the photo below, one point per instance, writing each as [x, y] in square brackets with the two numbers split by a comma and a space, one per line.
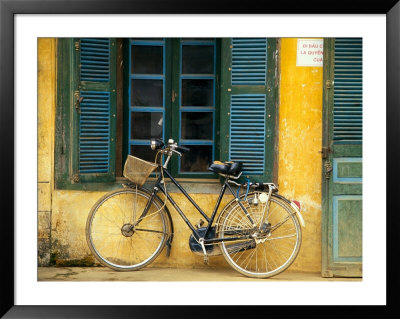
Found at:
[347, 170]
[347, 228]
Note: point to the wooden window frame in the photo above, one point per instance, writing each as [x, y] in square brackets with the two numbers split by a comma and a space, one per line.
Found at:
[172, 110]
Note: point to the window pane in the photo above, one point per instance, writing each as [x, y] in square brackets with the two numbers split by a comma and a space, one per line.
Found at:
[198, 159]
[197, 39]
[197, 125]
[145, 125]
[144, 152]
[197, 59]
[146, 92]
[147, 39]
[197, 92]
[147, 59]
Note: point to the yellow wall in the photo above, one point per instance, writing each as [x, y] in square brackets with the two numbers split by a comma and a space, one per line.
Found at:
[46, 115]
[299, 172]
[300, 141]
[71, 208]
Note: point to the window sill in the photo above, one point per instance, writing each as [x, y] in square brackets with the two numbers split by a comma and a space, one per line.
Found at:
[191, 185]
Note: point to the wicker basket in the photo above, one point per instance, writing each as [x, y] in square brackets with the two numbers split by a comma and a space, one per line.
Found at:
[138, 170]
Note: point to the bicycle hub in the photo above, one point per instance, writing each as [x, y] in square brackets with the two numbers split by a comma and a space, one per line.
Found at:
[127, 230]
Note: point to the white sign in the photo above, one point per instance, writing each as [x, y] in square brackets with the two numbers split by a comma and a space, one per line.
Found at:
[310, 52]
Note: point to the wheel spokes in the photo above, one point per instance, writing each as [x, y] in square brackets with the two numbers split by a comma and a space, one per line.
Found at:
[119, 245]
[275, 245]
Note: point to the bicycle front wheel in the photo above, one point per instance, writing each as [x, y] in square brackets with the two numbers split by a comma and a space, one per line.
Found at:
[271, 236]
[120, 236]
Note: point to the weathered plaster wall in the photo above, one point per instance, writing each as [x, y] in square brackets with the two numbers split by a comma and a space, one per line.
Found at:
[300, 142]
[46, 114]
[299, 172]
[71, 208]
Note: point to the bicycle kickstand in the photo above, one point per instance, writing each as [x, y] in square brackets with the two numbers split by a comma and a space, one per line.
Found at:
[201, 241]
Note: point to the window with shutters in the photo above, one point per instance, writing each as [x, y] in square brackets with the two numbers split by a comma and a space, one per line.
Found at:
[215, 96]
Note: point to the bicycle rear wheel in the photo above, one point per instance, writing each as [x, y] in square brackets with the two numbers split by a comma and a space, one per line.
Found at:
[271, 245]
[118, 237]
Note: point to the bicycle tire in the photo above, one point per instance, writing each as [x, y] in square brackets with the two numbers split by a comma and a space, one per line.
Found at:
[112, 242]
[261, 255]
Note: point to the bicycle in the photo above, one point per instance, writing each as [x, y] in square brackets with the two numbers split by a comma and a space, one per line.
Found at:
[258, 232]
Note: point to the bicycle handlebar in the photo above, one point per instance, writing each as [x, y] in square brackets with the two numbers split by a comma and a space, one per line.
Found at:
[182, 149]
[171, 147]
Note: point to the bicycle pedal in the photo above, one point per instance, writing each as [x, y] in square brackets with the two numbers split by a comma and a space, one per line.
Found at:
[205, 260]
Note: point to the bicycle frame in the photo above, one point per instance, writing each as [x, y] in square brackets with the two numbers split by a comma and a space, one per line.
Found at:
[242, 232]
[159, 187]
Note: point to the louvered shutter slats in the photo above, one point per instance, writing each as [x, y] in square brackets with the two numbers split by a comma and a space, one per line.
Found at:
[247, 132]
[94, 132]
[95, 60]
[248, 110]
[347, 119]
[95, 108]
[249, 61]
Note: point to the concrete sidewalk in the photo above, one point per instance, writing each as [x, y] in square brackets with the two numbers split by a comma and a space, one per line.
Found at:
[166, 274]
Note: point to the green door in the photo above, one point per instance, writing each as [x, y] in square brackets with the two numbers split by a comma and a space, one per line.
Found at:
[342, 159]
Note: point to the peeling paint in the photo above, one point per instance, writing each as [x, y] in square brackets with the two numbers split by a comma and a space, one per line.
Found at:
[45, 118]
[300, 140]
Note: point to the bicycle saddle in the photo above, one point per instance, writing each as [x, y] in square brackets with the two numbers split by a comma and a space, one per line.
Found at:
[228, 168]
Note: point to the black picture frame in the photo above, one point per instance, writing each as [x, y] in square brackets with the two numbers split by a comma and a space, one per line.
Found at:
[8, 10]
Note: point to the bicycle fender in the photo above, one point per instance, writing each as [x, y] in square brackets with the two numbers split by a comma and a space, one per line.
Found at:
[290, 203]
[295, 208]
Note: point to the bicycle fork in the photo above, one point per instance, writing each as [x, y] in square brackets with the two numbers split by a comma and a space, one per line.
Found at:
[145, 211]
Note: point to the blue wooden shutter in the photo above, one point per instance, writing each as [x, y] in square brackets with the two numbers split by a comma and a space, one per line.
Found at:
[247, 98]
[96, 145]
[94, 132]
[249, 61]
[95, 60]
[247, 121]
[347, 98]
[247, 132]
